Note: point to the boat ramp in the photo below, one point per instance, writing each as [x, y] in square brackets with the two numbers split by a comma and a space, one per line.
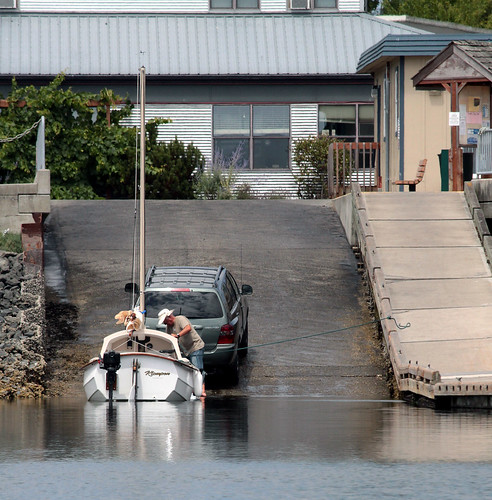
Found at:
[427, 258]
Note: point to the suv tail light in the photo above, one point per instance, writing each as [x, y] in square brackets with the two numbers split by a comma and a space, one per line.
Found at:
[226, 335]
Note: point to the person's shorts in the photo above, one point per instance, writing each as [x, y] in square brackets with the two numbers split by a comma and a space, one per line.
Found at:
[196, 357]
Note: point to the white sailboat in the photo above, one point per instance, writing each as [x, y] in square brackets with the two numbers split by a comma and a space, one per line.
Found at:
[141, 364]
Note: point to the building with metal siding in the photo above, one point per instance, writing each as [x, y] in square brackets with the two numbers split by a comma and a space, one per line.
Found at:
[98, 45]
[164, 6]
[196, 63]
[414, 124]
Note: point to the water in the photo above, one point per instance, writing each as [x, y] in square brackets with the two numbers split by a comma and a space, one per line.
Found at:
[260, 447]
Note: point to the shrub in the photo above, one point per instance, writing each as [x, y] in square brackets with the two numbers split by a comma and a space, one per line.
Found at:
[170, 174]
[311, 156]
[217, 181]
[244, 192]
[10, 242]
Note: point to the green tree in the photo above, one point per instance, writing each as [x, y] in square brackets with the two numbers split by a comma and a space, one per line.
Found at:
[170, 167]
[476, 13]
[82, 152]
[87, 158]
[372, 5]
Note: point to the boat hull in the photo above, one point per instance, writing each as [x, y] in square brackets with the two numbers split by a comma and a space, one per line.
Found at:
[144, 377]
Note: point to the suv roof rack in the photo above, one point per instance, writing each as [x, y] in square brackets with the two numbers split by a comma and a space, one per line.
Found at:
[183, 276]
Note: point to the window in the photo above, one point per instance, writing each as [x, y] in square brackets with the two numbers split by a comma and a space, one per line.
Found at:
[258, 135]
[190, 304]
[324, 4]
[366, 122]
[233, 4]
[230, 294]
[352, 122]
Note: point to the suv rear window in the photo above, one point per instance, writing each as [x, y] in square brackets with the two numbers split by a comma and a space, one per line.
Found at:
[193, 305]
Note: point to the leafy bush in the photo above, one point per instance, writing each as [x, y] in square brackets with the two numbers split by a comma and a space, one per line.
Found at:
[82, 151]
[244, 192]
[170, 169]
[311, 156]
[87, 158]
[217, 181]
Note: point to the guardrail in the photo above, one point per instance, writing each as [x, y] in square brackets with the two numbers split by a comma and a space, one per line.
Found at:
[484, 152]
[350, 162]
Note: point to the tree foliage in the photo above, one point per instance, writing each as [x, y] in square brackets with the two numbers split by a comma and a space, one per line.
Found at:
[476, 13]
[81, 151]
[87, 158]
[372, 5]
[311, 157]
[170, 167]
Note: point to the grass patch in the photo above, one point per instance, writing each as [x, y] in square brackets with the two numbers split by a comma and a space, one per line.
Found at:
[10, 242]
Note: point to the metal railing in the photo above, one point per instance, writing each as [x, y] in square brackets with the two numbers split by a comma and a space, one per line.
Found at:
[483, 156]
[353, 162]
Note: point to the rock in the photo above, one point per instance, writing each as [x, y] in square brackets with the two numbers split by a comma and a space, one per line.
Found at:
[4, 265]
[22, 324]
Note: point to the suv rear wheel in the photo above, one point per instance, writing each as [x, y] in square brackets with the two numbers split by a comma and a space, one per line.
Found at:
[244, 343]
[232, 372]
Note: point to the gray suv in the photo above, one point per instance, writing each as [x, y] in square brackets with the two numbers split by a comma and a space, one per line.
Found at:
[213, 302]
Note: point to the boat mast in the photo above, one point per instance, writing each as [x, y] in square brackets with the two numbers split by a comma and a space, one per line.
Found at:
[142, 191]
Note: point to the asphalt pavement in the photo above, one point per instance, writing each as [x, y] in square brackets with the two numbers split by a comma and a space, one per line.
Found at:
[293, 253]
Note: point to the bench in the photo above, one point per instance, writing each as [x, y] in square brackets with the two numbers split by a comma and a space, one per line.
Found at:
[418, 178]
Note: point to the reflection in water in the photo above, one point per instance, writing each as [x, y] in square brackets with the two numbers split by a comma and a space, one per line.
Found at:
[421, 435]
[144, 431]
[242, 448]
[242, 429]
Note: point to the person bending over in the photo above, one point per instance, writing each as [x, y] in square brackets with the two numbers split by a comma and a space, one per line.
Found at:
[193, 345]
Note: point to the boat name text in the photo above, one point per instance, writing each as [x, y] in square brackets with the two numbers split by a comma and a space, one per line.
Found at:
[152, 373]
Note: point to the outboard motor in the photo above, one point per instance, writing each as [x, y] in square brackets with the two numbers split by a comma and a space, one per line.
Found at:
[111, 363]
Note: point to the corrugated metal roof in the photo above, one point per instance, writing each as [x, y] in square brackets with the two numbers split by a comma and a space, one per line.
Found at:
[188, 45]
[408, 45]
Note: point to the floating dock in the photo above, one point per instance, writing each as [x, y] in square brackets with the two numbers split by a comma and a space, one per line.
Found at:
[427, 257]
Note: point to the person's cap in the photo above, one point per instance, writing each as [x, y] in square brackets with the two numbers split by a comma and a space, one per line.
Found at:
[163, 315]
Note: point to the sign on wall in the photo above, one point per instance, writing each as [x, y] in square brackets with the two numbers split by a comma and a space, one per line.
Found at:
[474, 113]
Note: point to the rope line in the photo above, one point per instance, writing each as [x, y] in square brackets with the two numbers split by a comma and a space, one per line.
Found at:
[292, 339]
[322, 333]
[22, 134]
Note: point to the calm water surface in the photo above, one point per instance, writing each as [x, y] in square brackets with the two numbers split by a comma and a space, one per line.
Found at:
[243, 448]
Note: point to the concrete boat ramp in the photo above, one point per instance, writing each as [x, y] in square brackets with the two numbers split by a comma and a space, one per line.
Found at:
[427, 259]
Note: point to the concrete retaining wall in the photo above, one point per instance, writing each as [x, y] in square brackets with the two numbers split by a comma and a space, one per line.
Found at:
[18, 202]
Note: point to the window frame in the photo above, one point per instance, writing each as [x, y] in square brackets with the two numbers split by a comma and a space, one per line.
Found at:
[315, 7]
[357, 136]
[234, 6]
[250, 139]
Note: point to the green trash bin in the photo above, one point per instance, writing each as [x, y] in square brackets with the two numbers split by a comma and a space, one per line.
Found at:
[467, 167]
[444, 164]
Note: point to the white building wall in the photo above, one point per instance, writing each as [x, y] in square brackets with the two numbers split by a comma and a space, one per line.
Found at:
[146, 6]
[190, 124]
[351, 5]
[273, 5]
[141, 6]
[193, 124]
[303, 123]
